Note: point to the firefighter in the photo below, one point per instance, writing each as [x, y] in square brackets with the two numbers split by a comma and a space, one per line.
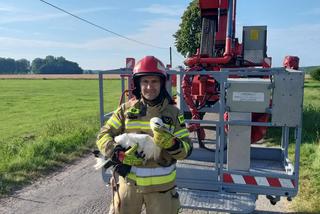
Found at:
[150, 183]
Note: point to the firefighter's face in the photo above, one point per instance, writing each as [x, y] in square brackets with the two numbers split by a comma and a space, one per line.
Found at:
[150, 87]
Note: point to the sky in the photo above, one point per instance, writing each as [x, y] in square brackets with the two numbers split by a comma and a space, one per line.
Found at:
[31, 29]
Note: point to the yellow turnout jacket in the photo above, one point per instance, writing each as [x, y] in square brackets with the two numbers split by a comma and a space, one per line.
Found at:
[134, 117]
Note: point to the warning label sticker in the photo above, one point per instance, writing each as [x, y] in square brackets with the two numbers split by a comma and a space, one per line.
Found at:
[248, 96]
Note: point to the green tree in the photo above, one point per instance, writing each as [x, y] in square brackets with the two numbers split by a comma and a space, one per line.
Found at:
[188, 36]
[36, 65]
[50, 59]
[22, 66]
[7, 66]
[55, 65]
[315, 73]
[11, 66]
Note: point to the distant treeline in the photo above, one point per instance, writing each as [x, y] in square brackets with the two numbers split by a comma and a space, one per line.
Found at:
[48, 65]
[308, 69]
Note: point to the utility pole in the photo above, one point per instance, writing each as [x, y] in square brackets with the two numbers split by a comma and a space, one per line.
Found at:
[170, 56]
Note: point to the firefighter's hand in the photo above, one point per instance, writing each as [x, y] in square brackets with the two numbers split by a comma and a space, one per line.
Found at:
[163, 138]
[128, 157]
[161, 135]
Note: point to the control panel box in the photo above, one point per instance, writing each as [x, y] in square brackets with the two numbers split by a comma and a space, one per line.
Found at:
[254, 44]
[287, 99]
[248, 95]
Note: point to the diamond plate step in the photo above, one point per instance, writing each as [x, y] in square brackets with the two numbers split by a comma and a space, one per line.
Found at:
[217, 201]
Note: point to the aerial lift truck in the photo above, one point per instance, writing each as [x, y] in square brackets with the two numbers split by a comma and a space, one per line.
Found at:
[231, 96]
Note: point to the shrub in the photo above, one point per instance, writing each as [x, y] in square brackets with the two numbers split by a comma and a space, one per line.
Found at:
[315, 74]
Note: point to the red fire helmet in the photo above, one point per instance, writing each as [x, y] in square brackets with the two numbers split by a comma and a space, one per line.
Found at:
[149, 65]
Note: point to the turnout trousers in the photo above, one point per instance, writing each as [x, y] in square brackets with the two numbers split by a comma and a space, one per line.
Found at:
[131, 201]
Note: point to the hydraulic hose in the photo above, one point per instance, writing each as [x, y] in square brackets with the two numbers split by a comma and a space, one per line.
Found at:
[186, 91]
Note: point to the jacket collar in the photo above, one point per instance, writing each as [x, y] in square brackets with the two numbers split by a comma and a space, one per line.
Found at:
[159, 107]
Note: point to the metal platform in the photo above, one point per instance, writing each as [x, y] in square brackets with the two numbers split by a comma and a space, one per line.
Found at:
[196, 175]
[217, 201]
[206, 180]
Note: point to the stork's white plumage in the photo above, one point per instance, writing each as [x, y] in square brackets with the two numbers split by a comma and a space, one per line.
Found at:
[100, 162]
[145, 142]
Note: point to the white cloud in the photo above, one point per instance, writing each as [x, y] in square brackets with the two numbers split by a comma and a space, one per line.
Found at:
[301, 40]
[7, 8]
[157, 33]
[26, 16]
[112, 49]
[23, 44]
[169, 10]
[93, 10]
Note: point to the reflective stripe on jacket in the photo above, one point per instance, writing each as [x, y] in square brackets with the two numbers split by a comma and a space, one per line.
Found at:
[153, 176]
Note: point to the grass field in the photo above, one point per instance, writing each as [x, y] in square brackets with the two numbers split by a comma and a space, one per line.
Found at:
[309, 184]
[44, 123]
[309, 191]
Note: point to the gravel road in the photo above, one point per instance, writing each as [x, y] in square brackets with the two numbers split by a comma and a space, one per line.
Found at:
[78, 189]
